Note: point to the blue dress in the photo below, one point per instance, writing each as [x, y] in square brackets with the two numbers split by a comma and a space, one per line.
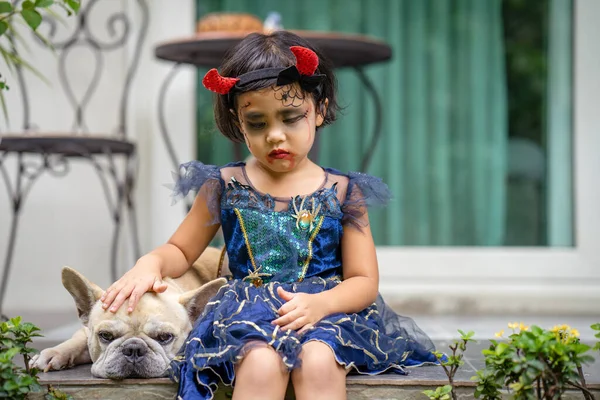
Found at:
[293, 243]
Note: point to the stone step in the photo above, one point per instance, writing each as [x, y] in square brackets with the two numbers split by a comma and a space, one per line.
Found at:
[79, 383]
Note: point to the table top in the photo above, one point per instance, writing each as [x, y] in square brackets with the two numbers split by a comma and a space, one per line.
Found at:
[207, 49]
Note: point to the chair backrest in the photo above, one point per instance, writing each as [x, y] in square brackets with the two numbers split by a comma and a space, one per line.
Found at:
[85, 36]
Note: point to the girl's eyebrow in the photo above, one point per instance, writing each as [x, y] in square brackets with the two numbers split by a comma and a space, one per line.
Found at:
[281, 112]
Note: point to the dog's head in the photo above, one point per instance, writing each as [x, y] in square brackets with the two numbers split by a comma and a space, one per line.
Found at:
[140, 344]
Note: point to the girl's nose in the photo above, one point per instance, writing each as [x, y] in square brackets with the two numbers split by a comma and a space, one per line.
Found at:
[275, 135]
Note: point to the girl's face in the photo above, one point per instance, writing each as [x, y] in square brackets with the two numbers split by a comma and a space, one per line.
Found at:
[279, 125]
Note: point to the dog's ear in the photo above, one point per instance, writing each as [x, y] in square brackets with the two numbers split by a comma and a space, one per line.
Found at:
[84, 292]
[195, 300]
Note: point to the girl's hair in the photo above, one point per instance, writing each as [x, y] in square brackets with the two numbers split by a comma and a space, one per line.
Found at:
[258, 51]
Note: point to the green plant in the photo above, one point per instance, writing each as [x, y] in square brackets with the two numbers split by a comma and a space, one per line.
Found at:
[440, 393]
[596, 327]
[451, 364]
[529, 364]
[30, 12]
[16, 381]
[533, 363]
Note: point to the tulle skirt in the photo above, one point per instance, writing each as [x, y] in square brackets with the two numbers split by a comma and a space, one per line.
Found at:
[373, 341]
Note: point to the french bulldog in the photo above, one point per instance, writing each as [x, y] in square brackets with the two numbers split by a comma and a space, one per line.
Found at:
[142, 343]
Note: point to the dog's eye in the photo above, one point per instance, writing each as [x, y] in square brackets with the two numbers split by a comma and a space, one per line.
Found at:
[164, 338]
[106, 336]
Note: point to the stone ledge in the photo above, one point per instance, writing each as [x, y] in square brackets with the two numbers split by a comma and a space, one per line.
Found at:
[79, 383]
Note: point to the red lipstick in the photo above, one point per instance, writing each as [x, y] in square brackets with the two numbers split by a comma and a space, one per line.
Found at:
[280, 154]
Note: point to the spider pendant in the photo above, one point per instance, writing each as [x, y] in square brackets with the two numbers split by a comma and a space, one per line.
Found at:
[304, 217]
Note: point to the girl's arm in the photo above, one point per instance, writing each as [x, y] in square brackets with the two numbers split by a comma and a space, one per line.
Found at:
[360, 286]
[172, 259]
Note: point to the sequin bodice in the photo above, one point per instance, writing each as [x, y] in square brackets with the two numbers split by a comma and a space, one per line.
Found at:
[289, 245]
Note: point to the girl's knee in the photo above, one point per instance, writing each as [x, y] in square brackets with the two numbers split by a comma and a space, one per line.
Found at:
[262, 365]
[319, 364]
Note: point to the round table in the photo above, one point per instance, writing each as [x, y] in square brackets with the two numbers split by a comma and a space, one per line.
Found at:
[207, 49]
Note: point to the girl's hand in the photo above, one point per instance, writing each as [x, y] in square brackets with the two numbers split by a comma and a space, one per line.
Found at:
[300, 312]
[143, 277]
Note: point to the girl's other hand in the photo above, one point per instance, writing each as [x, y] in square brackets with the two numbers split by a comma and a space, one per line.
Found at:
[143, 277]
[301, 310]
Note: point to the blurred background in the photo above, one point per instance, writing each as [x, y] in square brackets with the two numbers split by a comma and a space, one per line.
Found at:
[482, 121]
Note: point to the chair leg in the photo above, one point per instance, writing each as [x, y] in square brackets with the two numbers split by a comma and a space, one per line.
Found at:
[17, 196]
[12, 239]
[131, 212]
[135, 237]
[118, 220]
[115, 246]
[123, 191]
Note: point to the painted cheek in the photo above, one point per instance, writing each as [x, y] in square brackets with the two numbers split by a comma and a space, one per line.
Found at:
[308, 130]
[248, 144]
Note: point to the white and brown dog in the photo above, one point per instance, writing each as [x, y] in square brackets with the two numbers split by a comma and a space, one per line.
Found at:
[142, 343]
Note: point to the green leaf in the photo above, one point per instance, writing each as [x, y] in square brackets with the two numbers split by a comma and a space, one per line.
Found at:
[5, 7]
[28, 5]
[501, 348]
[44, 3]
[596, 327]
[74, 4]
[585, 359]
[3, 27]
[32, 17]
[580, 348]
[10, 386]
[446, 389]
[469, 335]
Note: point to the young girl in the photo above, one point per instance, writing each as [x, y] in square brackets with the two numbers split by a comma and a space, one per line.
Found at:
[303, 300]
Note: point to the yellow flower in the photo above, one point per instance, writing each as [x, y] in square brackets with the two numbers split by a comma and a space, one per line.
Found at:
[555, 329]
[523, 327]
[513, 325]
[574, 332]
[499, 334]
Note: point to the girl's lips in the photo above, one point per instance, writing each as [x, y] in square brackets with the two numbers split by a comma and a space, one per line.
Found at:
[279, 154]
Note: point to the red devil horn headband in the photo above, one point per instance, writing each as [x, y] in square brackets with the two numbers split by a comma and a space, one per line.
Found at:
[214, 82]
[307, 62]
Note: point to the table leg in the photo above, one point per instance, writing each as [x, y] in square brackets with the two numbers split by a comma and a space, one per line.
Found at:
[164, 132]
[366, 159]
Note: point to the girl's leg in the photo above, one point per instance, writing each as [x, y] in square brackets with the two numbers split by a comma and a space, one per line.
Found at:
[319, 376]
[261, 375]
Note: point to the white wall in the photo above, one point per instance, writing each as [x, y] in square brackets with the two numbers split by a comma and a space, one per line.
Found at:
[65, 221]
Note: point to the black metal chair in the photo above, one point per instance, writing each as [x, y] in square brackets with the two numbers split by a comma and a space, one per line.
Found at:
[113, 155]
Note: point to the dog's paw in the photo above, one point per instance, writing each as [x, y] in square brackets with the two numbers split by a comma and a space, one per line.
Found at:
[50, 360]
